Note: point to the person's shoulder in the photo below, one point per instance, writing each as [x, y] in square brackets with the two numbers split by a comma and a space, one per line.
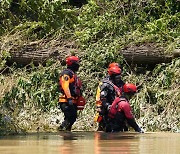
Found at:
[122, 98]
[67, 72]
[106, 85]
[106, 80]
[124, 101]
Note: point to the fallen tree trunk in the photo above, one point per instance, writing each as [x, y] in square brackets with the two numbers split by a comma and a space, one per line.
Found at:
[147, 55]
[30, 53]
[144, 54]
[26, 57]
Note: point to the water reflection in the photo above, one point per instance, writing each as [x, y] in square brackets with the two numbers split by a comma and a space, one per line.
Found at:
[91, 142]
[76, 142]
[115, 143]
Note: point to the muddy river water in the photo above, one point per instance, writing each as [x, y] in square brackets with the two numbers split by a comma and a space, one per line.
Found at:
[91, 143]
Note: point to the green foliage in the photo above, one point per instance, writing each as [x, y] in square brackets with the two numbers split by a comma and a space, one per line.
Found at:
[31, 30]
[125, 23]
[39, 89]
[5, 17]
[50, 13]
[3, 58]
[159, 97]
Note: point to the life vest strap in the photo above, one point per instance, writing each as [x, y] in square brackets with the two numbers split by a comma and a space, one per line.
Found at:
[118, 90]
[63, 99]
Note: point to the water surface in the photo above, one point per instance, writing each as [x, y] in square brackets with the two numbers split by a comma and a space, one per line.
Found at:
[91, 142]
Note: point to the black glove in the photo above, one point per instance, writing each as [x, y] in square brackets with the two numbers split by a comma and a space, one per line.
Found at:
[134, 125]
[140, 130]
[70, 102]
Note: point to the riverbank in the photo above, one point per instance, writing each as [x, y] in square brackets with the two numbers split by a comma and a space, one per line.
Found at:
[31, 102]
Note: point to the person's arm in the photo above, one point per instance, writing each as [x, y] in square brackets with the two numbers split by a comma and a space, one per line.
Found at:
[129, 116]
[65, 79]
[104, 95]
[134, 125]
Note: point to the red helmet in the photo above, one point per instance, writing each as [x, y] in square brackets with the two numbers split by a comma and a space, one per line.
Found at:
[129, 87]
[114, 70]
[72, 59]
[113, 64]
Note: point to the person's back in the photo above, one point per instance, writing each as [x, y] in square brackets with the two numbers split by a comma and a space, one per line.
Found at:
[71, 86]
[121, 111]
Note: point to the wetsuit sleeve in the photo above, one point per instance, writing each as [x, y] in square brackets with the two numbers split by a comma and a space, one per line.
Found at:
[104, 94]
[134, 125]
[65, 79]
[129, 116]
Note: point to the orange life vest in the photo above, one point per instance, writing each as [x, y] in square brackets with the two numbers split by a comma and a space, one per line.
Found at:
[66, 90]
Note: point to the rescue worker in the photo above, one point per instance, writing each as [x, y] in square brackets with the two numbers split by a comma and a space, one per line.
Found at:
[120, 111]
[70, 87]
[108, 89]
